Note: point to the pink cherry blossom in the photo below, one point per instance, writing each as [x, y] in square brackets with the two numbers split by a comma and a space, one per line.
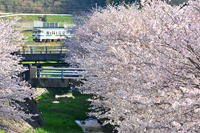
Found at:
[144, 64]
[12, 89]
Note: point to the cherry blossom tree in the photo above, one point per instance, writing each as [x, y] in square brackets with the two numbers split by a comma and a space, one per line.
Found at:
[12, 89]
[142, 65]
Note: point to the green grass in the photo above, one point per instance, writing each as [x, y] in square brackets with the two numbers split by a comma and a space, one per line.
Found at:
[30, 18]
[33, 62]
[1, 131]
[60, 117]
[61, 19]
[27, 34]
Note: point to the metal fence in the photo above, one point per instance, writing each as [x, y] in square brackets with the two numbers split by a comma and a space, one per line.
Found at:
[35, 49]
[60, 72]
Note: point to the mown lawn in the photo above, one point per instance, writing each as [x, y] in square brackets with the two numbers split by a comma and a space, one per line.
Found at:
[1, 131]
[30, 18]
[60, 117]
[28, 34]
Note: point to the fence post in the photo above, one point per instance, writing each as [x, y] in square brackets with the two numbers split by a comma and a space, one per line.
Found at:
[46, 49]
[62, 74]
[38, 70]
[27, 48]
[23, 50]
[33, 71]
[31, 49]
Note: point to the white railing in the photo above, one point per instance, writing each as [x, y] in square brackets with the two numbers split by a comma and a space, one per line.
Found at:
[61, 72]
[42, 49]
[42, 52]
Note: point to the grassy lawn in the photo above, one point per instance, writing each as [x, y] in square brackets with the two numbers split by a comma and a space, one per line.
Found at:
[60, 117]
[1, 131]
[30, 18]
[28, 34]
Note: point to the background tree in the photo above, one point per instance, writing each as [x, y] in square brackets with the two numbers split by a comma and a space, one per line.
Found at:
[59, 6]
[12, 90]
[147, 65]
